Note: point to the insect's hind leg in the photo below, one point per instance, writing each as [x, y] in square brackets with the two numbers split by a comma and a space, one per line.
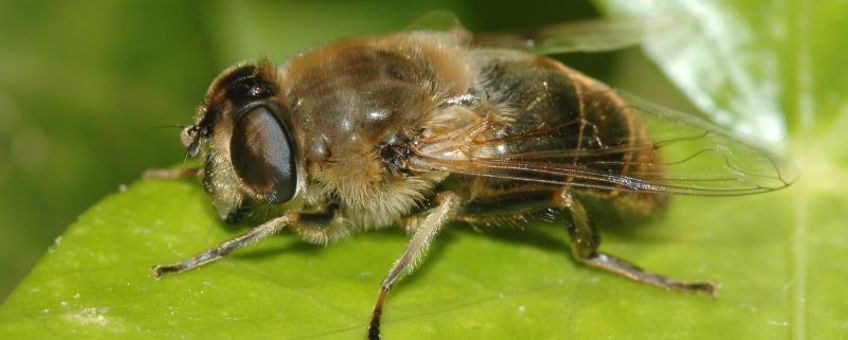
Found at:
[585, 241]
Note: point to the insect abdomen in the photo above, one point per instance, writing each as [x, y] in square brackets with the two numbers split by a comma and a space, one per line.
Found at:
[586, 124]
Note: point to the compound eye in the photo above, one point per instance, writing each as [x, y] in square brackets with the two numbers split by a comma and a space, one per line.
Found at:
[262, 155]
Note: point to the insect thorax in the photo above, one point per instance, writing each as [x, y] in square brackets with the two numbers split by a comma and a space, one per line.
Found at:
[352, 98]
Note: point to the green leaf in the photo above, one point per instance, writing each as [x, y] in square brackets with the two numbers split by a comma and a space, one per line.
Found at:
[778, 256]
[773, 71]
[96, 280]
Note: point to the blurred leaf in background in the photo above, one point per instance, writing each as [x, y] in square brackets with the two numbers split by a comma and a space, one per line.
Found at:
[774, 70]
[82, 86]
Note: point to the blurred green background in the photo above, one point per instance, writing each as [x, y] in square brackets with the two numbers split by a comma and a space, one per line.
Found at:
[83, 84]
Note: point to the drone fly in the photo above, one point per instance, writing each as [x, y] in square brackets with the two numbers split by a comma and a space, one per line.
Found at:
[427, 127]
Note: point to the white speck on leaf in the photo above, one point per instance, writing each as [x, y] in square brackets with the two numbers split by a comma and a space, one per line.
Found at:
[90, 316]
[748, 307]
[778, 323]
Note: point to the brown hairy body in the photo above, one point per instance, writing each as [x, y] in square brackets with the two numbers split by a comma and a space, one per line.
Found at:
[371, 93]
[421, 128]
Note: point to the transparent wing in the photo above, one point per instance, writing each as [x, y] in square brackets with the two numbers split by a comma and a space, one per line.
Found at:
[663, 151]
[582, 36]
[439, 20]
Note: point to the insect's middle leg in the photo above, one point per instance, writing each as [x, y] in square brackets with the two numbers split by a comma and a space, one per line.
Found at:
[585, 241]
[426, 231]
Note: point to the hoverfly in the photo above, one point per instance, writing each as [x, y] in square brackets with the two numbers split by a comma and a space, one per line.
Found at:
[426, 127]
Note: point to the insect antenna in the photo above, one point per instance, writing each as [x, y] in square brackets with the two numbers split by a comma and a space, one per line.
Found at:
[158, 127]
[182, 127]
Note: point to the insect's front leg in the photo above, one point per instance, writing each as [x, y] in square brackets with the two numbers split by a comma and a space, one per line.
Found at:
[260, 232]
[585, 240]
[427, 229]
[170, 174]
